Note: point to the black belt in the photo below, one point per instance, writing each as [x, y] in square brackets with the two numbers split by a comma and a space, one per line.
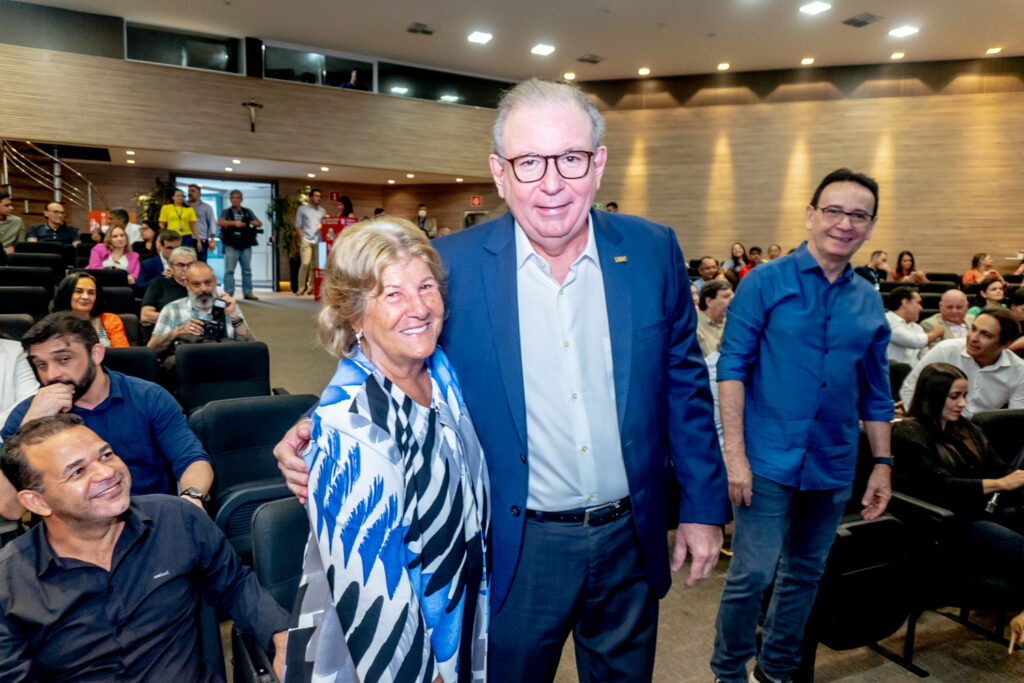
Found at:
[596, 516]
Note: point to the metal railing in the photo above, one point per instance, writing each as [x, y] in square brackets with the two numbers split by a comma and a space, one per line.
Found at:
[77, 190]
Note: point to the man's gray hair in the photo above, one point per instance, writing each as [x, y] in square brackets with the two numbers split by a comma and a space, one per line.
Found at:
[541, 91]
[180, 251]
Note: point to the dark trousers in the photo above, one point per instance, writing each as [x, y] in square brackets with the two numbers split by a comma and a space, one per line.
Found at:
[588, 581]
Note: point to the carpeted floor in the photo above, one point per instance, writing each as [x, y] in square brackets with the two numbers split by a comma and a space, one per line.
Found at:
[947, 650]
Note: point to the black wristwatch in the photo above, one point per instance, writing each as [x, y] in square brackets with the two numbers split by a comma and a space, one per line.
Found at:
[885, 461]
[193, 492]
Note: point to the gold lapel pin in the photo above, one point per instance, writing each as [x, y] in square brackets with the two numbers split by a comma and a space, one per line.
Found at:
[620, 259]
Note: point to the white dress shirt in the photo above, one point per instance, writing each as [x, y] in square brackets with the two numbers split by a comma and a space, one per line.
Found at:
[988, 388]
[572, 425]
[17, 381]
[906, 341]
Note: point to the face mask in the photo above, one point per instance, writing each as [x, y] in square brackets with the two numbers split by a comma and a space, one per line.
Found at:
[422, 213]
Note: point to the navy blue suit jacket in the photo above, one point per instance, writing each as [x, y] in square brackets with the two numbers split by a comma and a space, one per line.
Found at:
[152, 267]
[661, 383]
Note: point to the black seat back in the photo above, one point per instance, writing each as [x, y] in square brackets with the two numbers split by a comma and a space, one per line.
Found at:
[131, 327]
[137, 361]
[35, 301]
[280, 529]
[55, 262]
[65, 251]
[208, 372]
[897, 374]
[109, 277]
[1004, 429]
[15, 325]
[27, 276]
[119, 299]
[938, 286]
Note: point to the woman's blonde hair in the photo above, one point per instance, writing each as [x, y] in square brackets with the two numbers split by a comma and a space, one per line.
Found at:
[354, 270]
[110, 234]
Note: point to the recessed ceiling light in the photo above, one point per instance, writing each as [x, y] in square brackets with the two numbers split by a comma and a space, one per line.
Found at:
[399, 90]
[816, 8]
[644, 71]
[229, 169]
[479, 37]
[410, 175]
[130, 161]
[311, 175]
[724, 66]
[324, 169]
[458, 180]
[390, 181]
[542, 49]
[569, 76]
[993, 50]
[903, 31]
[898, 55]
[807, 61]
[131, 152]
[236, 161]
[449, 98]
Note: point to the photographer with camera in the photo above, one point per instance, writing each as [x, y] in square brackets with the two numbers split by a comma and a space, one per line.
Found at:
[202, 316]
[238, 234]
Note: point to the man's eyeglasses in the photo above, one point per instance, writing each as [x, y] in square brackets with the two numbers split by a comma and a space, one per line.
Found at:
[833, 215]
[529, 168]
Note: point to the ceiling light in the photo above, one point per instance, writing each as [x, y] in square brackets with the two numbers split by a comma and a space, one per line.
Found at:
[410, 175]
[324, 169]
[903, 31]
[816, 8]
[807, 61]
[644, 71]
[229, 169]
[399, 90]
[479, 37]
[131, 152]
[236, 161]
[724, 66]
[131, 161]
[390, 181]
[569, 76]
[449, 98]
[990, 51]
[542, 49]
[311, 175]
[898, 55]
[458, 180]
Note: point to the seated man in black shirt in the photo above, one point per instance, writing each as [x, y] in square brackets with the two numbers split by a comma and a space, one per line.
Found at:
[164, 290]
[107, 585]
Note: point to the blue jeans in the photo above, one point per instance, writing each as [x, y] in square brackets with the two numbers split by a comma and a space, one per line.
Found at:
[786, 529]
[231, 259]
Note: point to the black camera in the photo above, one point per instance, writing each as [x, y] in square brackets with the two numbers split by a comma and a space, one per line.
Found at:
[215, 329]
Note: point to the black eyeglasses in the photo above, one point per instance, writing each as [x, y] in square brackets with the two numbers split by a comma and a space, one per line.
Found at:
[529, 168]
[833, 215]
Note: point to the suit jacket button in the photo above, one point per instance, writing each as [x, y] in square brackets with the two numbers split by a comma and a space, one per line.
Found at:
[514, 510]
[522, 456]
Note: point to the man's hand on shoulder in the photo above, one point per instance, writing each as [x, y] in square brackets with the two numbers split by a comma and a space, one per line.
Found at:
[50, 400]
[702, 542]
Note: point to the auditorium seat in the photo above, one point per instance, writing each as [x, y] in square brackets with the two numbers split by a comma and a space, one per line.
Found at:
[119, 300]
[207, 372]
[65, 251]
[945, 277]
[937, 286]
[897, 373]
[15, 325]
[34, 301]
[109, 277]
[132, 329]
[55, 262]
[27, 276]
[137, 361]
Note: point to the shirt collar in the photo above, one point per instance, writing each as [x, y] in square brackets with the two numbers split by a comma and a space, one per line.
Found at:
[805, 261]
[525, 250]
[1002, 361]
[135, 523]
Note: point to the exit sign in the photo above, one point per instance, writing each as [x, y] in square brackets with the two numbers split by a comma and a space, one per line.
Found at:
[476, 200]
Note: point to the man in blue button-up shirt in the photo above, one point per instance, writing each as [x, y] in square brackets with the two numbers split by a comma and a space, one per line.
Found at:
[802, 360]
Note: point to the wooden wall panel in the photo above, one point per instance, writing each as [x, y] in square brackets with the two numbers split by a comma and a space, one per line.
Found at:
[446, 203]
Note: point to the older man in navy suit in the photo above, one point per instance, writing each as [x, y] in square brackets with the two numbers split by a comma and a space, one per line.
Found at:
[573, 334]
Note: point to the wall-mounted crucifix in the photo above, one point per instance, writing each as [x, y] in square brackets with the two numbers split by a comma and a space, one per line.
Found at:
[254, 106]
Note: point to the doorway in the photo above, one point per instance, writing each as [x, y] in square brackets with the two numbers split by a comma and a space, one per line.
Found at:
[256, 196]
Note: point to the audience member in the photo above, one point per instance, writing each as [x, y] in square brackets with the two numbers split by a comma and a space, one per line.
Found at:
[307, 223]
[119, 216]
[737, 258]
[238, 235]
[708, 269]
[12, 228]
[952, 317]
[611, 207]
[81, 294]
[107, 586]
[145, 247]
[115, 253]
[990, 294]
[427, 225]
[995, 373]
[712, 303]
[877, 269]
[378, 211]
[774, 251]
[54, 229]
[164, 290]
[907, 338]
[981, 268]
[906, 270]
[345, 209]
[791, 453]
[17, 381]
[1016, 306]
[196, 316]
[206, 223]
[139, 419]
[179, 218]
[158, 265]
[753, 258]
